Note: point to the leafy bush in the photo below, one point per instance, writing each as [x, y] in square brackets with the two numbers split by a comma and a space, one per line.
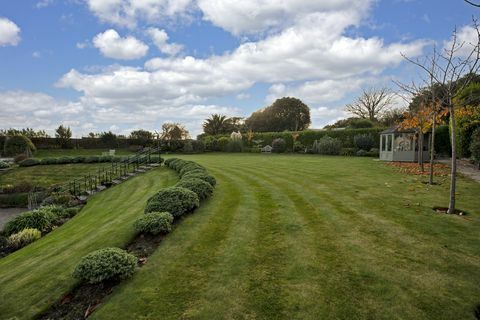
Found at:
[192, 166]
[361, 123]
[154, 223]
[20, 186]
[188, 147]
[60, 198]
[17, 145]
[364, 141]
[47, 161]
[347, 152]
[42, 219]
[202, 188]
[29, 162]
[92, 159]
[198, 146]
[105, 264]
[169, 161]
[78, 159]
[279, 145]
[475, 145]
[211, 143]
[175, 200]
[374, 152]
[442, 140]
[361, 153]
[65, 160]
[13, 200]
[200, 175]
[327, 145]
[298, 147]
[234, 145]
[222, 143]
[4, 165]
[24, 237]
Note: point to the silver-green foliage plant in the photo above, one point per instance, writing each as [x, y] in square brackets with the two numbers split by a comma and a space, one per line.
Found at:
[154, 223]
[24, 237]
[105, 264]
[327, 145]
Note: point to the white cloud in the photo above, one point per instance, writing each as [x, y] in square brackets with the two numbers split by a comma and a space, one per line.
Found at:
[9, 33]
[160, 38]
[467, 39]
[243, 96]
[125, 13]
[111, 45]
[36, 54]
[43, 3]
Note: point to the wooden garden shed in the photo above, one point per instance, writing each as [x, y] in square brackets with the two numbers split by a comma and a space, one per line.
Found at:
[398, 144]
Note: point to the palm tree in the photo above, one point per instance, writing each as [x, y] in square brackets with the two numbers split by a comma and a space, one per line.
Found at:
[216, 124]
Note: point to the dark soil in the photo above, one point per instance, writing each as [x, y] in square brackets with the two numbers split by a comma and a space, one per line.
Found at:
[445, 210]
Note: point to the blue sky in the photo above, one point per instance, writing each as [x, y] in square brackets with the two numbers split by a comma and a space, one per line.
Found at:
[120, 65]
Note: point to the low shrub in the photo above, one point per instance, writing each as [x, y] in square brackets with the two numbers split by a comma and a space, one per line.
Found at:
[364, 141]
[374, 152]
[47, 161]
[78, 159]
[105, 264]
[60, 198]
[327, 145]
[279, 145]
[200, 175]
[154, 223]
[169, 161]
[42, 219]
[348, 152]
[202, 188]
[13, 200]
[234, 145]
[23, 238]
[4, 165]
[475, 145]
[192, 166]
[298, 147]
[92, 159]
[29, 162]
[361, 153]
[222, 143]
[20, 186]
[175, 200]
[65, 160]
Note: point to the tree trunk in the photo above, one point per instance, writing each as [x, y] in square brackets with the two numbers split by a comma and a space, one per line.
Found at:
[453, 174]
[432, 150]
[420, 150]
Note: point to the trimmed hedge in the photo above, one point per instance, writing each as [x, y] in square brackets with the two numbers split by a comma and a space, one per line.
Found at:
[200, 175]
[105, 264]
[29, 162]
[154, 223]
[202, 188]
[175, 200]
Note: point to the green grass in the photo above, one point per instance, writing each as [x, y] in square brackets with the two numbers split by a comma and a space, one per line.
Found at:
[309, 237]
[47, 175]
[283, 237]
[57, 153]
[34, 277]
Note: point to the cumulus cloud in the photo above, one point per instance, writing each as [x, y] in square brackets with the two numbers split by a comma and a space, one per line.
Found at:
[160, 38]
[111, 45]
[125, 13]
[9, 33]
[467, 39]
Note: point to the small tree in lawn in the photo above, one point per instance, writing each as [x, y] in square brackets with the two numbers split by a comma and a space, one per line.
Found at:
[63, 136]
[452, 69]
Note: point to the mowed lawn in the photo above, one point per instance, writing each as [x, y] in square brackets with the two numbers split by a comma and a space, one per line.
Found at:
[48, 175]
[36, 276]
[310, 237]
[283, 237]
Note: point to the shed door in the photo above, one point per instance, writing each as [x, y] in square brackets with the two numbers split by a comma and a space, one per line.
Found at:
[386, 147]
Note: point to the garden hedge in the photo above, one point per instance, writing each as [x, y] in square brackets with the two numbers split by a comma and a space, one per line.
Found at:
[202, 188]
[177, 201]
[154, 223]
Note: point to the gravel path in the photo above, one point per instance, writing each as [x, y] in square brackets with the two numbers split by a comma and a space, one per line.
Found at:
[466, 168]
[9, 213]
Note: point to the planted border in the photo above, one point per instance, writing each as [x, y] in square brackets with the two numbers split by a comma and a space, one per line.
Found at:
[151, 228]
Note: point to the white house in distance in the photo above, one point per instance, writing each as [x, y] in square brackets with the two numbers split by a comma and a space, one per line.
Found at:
[398, 144]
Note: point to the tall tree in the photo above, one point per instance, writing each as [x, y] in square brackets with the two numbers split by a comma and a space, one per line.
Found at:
[371, 103]
[142, 136]
[63, 135]
[287, 113]
[453, 69]
[216, 124]
[174, 131]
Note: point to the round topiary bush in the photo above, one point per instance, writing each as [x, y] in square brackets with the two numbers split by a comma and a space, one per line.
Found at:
[190, 167]
[169, 161]
[200, 175]
[154, 223]
[47, 161]
[24, 237]
[4, 165]
[17, 145]
[202, 188]
[279, 145]
[105, 264]
[29, 162]
[177, 201]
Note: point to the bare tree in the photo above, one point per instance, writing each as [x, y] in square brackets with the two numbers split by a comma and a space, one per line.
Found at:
[451, 69]
[371, 104]
[472, 3]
